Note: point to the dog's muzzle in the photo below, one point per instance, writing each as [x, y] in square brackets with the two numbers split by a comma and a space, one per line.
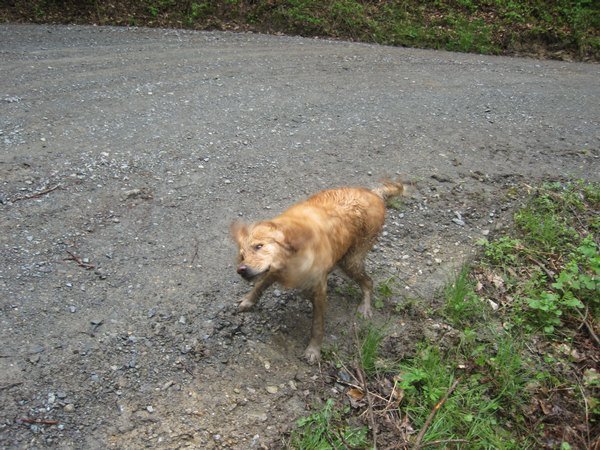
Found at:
[248, 273]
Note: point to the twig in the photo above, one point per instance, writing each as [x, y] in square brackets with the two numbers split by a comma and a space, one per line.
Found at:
[37, 421]
[195, 255]
[589, 327]
[11, 385]
[365, 389]
[587, 416]
[36, 194]
[355, 386]
[188, 370]
[348, 371]
[401, 427]
[578, 217]
[341, 437]
[79, 261]
[390, 403]
[432, 414]
[541, 266]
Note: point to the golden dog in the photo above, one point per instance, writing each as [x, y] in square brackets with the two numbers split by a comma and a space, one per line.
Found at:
[301, 246]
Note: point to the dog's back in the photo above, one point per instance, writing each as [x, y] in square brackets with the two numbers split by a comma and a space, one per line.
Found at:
[353, 215]
[336, 221]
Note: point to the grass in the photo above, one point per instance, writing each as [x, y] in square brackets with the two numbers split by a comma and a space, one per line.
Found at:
[369, 349]
[499, 377]
[478, 409]
[555, 28]
[462, 304]
[325, 430]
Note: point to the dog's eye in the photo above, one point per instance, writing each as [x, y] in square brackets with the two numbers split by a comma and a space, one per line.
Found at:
[258, 246]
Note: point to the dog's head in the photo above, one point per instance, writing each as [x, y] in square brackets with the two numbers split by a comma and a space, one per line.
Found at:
[263, 247]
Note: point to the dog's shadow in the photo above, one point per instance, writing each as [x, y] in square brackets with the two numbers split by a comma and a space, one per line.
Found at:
[283, 317]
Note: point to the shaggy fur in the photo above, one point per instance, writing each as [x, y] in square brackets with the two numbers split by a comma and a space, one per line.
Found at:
[301, 246]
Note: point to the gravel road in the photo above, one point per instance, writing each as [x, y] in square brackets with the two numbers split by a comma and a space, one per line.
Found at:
[126, 153]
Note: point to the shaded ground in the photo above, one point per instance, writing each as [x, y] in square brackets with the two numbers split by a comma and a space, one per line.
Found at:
[125, 154]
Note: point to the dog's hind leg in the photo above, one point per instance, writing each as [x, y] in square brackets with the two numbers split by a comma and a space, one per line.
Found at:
[319, 303]
[353, 265]
[250, 299]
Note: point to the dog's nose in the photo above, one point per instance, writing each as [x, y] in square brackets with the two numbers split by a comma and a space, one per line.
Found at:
[242, 270]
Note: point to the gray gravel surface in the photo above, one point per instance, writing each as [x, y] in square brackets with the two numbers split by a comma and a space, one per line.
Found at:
[126, 153]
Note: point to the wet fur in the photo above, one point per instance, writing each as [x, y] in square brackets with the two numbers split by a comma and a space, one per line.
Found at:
[299, 248]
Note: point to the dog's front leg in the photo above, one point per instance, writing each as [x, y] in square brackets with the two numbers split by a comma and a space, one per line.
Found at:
[250, 299]
[319, 302]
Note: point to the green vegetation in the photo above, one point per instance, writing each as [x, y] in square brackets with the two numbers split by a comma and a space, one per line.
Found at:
[551, 28]
[324, 430]
[550, 274]
[523, 346]
[369, 350]
[384, 292]
[462, 304]
[480, 409]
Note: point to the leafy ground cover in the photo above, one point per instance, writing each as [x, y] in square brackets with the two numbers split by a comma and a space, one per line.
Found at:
[564, 29]
[520, 366]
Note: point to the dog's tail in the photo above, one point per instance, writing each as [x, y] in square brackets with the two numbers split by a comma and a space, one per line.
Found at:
[390, 189]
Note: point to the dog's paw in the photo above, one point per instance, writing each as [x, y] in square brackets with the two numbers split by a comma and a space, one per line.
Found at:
[312, 354]
[365, 311]
[245, 305]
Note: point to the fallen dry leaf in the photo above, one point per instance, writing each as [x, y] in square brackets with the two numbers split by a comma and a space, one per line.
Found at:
[545, 407]
[493, 304]
[356, 394]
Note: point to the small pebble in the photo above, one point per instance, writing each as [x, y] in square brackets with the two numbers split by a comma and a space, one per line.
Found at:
[69, 408]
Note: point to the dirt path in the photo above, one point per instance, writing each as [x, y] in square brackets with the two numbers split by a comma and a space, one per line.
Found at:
[125, 154]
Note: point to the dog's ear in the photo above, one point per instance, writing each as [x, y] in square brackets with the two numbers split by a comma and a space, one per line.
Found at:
[290, 238]
[238, 231]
